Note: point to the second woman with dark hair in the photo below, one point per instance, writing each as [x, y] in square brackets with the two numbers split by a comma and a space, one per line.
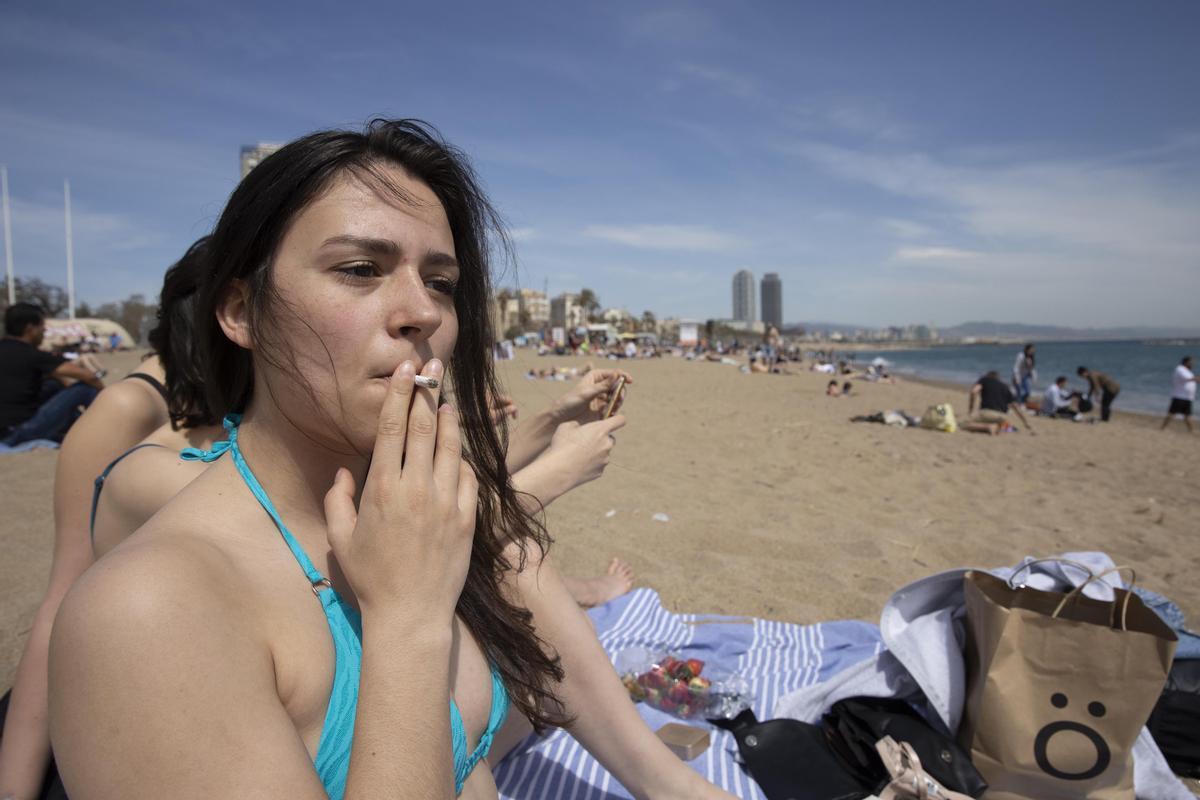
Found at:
[344, 604]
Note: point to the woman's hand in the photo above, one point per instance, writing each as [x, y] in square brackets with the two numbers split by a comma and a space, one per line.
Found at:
[586, 400]
[577, 454]
[502, 407]
[408, 543]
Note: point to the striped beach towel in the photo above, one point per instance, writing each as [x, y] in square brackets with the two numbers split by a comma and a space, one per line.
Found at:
[774, 657]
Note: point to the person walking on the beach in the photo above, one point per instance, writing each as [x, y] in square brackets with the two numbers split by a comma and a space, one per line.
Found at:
[1102, 385]
[1024, 374]
[1183, 393]
[33, 402]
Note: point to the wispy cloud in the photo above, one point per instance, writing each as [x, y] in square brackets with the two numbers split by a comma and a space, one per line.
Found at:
[692, 238]
[1092, 206]
[906, 228]
[523, 234]
[933, 254]
[724, 80]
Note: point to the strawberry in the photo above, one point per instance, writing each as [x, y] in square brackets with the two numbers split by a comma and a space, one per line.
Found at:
[696, 666]
[679, 693]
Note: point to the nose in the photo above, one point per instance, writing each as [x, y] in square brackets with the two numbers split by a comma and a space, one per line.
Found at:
[412, 312]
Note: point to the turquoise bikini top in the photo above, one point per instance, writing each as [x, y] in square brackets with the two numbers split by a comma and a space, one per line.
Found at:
[345, 625]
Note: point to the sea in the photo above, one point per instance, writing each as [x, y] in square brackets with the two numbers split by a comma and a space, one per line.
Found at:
[1143, 368]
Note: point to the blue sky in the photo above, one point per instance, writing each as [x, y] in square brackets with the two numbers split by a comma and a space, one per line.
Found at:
[894, 162]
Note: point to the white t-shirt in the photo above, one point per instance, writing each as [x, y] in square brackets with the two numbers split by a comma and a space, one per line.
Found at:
[1183, 384]
[1054, 399]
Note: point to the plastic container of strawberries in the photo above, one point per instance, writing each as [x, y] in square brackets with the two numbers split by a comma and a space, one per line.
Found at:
[680, 686]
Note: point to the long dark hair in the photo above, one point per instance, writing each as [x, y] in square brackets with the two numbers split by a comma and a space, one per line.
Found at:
[242, 247]
[174, 340]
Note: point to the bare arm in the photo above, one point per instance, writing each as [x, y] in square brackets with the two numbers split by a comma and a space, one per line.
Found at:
[136, 664]
[577, 454]
[606, 721]
[582, 404]
[78, 372]
[1016, 407]
[972, 397]
[120, 416]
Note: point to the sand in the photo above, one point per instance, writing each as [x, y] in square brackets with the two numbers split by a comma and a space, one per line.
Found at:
[779, 507]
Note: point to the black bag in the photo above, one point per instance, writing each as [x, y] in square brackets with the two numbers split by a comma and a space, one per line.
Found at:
[837, 760]
[1176, 719]
[790, 759]
[857, 723]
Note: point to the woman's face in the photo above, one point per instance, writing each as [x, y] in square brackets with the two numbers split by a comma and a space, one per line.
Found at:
[365, 282]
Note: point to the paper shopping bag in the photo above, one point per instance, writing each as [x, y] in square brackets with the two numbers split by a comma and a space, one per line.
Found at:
[1058, 687]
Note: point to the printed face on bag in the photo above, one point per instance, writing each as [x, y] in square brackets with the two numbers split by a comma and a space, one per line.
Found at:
[1071, 750]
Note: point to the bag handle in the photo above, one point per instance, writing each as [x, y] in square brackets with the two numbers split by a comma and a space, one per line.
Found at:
[1079, 589]
[1053, 560]
[909, 781]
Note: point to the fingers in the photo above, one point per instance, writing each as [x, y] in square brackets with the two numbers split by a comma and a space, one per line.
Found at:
[393, 421]
[423, 421]
[612, 424]
[468, 489]
[340, 513]
[449, 451]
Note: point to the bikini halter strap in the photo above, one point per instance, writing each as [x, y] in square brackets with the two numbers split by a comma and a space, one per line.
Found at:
[231, 423]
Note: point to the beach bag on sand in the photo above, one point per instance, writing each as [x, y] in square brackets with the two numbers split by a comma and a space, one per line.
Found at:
[940, 418]
[1058, 688]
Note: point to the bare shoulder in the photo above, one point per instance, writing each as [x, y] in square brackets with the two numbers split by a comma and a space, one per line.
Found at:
[131, 398]
[145, 590]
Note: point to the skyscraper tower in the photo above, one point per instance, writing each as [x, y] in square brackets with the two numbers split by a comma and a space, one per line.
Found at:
[772, 300]
[743, 296]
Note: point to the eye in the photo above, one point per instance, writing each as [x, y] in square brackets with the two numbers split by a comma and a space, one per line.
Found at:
[443, 285]
[358, 271]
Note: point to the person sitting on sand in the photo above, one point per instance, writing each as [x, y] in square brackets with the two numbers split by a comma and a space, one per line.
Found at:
[1102, 386]
[121, 416]
[995, 399]
[34, 403]
[355, 559]
[1057, 400]
[832, 389]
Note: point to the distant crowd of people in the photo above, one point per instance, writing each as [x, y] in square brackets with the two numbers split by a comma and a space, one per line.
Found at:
[992, 400]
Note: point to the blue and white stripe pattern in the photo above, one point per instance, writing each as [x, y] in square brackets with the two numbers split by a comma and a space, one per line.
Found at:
[774, 657]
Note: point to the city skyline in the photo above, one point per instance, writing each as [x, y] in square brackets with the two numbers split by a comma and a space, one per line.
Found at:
[998, 164]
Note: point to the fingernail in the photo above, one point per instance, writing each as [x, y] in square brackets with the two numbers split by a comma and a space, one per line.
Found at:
[407, 369]
[435, 367]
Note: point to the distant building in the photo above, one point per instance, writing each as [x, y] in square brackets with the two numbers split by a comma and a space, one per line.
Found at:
[743, 296]
[535, 308]
[772, 300]
[621, 319]
[565, 311]
[254, 153]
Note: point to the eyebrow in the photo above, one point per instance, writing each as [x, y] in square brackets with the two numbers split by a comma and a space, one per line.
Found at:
[433, 258]
[383, 246]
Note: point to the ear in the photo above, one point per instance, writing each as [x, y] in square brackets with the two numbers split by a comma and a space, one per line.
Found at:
[233, 314]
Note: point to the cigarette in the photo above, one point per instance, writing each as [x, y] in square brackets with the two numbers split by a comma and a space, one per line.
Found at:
[428, 383]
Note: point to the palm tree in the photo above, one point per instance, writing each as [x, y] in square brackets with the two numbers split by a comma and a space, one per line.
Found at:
[649, 322]
[589, 303]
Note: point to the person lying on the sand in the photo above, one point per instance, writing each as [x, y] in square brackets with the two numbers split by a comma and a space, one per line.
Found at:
[995, 399]
[832, 389]
[355, 560]
[122, 415]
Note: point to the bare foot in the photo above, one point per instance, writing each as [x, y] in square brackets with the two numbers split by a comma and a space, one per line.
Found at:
[590, 592]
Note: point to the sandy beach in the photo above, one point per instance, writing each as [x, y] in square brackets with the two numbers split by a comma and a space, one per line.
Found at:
[777, 506]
